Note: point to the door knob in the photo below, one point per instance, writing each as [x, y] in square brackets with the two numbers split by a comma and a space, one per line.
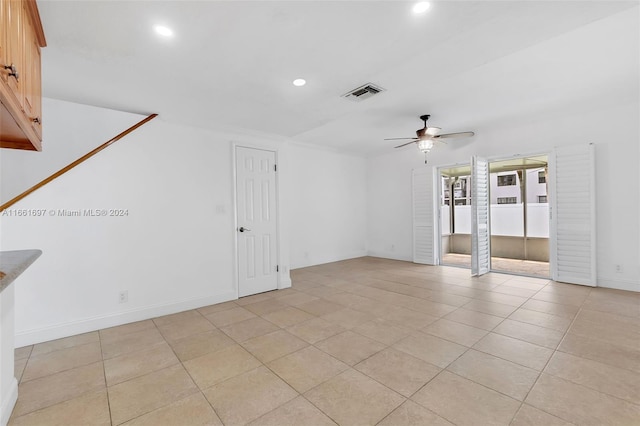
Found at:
[242, 229]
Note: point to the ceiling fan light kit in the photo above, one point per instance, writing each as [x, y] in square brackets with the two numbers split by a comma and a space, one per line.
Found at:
[428, 135]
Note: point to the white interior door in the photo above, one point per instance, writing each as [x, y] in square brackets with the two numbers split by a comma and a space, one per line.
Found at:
[425, 245]
[256, 220]
[573, 215]
[480, 236]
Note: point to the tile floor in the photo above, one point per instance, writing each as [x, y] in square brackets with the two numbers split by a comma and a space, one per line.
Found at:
[360, 342]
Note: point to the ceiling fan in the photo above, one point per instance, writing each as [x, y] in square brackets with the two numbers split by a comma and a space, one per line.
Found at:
[428, 135]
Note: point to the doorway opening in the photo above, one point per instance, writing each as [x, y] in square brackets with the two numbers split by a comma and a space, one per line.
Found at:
[518, 192]
[455, 215]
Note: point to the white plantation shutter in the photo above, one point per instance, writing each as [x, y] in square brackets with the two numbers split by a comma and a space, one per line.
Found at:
[480, 240]
[573, 215]
[424, 242]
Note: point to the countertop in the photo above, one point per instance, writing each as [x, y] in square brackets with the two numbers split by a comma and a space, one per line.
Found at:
[13, 263]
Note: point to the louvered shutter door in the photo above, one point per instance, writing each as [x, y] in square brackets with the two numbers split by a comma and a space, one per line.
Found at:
[424, 246]
[573, 215]
[480, 240]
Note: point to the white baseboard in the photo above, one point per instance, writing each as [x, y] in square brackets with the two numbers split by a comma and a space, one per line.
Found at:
[8, 402]
[58, 331]
[619, 284]
[386, 255]
[329, 259]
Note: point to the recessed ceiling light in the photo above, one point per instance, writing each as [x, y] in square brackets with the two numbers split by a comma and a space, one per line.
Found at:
[163, 31]
[421, 7]
[299, 82]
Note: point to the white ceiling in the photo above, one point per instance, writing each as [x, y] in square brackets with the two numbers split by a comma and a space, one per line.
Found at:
[468, 64]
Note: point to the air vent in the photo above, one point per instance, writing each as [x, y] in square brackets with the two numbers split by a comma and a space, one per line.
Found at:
[363, 92]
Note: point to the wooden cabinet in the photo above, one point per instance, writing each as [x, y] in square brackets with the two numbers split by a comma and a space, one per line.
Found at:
[21, 37]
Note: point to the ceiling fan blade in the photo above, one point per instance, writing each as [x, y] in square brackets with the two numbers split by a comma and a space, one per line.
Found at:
[405, 144]
[399, 139]
[454, 135]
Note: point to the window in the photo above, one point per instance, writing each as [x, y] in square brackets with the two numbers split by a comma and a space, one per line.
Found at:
[461, 202]
[506, 180]
[542, 178]
[506, 200]
[542, 198]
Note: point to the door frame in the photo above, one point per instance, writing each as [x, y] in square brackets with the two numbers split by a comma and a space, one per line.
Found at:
[438, 195]
[234, 190]
[551, 196]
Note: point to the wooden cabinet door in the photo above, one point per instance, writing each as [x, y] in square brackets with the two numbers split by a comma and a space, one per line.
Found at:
[31, 77]
[3, 39]
[15, 16]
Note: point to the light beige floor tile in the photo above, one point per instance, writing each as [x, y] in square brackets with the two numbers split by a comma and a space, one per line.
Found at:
[567, 311]
[349, 347]
[315, 330]
[131, 342]
[455, 332]
[383, 331]
[560, 298]
[18, 368]
[180, 316]
[193, 410]
[514, 350]
[407, 317]
[121, 330]
[307, 368]
[352, 398]
[67, 342]
[399, 371]
[531, 416]
[412, 414]
[265, 306]
[229, 316]
[319, 307]
[531, 333]
[256, 298]
[245, 330]
[296, 412]
[504, 299]
[185, 327]
[491, 308]
[580, 405]
[604, 378]
[150, 392]
[474, 319]
[599, 350]
[274, 345]
[623, 309]
[348, 318]
[514, 291]
[136, 364]
[297, 298]
[620, 321]
[541, 319]
[608, 332]
[431, 349]
[321, 291]
[60, 360]
[211, 309]
[59, 387]
[287, 316]
[498, 374]
[23, 352]
[464, 402]
[92, 408]
[249, 396]
[200, 344]
[215, 367]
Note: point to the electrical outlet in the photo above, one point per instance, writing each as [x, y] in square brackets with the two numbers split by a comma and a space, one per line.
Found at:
[123, 296]
[619, 269]
[306, 254]
[393, 247]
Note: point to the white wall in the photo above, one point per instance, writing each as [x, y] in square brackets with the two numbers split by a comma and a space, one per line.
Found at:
[174, 249]
[328, 211]
[617, 156]
[70, 131]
